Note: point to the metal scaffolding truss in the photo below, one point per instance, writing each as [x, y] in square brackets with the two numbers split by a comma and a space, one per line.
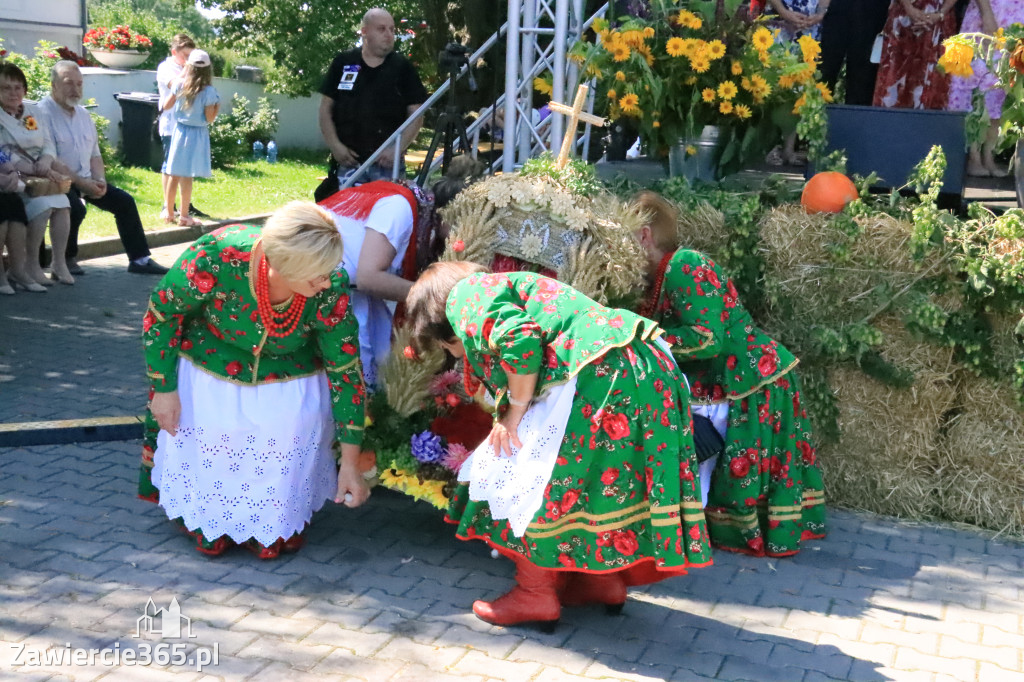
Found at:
[539, 35]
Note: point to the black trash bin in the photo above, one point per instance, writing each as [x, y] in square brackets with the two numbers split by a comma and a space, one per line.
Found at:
[140, 137]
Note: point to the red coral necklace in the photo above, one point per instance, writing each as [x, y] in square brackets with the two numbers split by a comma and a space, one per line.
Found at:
[469, 382]
[282, 324]
[647, 309]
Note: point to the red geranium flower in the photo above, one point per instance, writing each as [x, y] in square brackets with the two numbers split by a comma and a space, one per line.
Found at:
[625, 542]
[204, 281]
[616, 425]
[739, 467]
[767, 365]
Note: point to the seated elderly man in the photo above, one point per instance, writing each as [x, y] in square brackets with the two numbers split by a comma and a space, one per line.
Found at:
[77, 143]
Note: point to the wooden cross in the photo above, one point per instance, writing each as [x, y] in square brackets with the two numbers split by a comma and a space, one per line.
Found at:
[575, 114]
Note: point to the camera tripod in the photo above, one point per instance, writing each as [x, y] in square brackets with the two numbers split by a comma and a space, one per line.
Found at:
[450, 126]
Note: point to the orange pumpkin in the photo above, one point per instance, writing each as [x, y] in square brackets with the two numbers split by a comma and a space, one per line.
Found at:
[828, 192]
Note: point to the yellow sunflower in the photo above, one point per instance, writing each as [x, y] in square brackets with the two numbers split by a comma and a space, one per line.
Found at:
[612, 94]
[727, 90]
[826, 94]
[30, 123]
[692, 80]
[700, 64]
[725, 107]
[800, 103]
[691, 150]
[630, 104]
[762, 39]
[620, 52]
[675, 47]
[957, 58]
[542, 86]
[645, 50]
[742, 111]
[759, 86]
[809, 48]
[648, 31]
[716, 49]
[708, 95]
[619, 76]
[656, 124]
[737, 68]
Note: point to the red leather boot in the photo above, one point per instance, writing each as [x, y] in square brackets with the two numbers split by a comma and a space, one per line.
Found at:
[582, 589]
[534, 599]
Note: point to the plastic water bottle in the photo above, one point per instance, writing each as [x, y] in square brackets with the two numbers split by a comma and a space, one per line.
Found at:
[257, 150]
[271, 152]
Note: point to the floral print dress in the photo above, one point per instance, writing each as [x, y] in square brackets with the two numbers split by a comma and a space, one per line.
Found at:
[204, 310]
[623, 494]
[766, 492]
[908, 73]
[961, 89]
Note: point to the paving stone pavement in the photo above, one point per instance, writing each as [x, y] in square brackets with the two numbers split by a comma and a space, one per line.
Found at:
[384, 592]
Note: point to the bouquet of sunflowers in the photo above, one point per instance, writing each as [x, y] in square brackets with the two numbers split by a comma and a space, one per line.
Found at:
[694, 64]
[1002, 55]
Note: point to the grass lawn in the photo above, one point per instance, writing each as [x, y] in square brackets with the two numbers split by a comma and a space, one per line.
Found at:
[247, 188]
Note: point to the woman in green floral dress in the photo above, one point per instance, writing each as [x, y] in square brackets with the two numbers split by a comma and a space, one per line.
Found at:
[766, 492]
[252, 351]
[588, 478]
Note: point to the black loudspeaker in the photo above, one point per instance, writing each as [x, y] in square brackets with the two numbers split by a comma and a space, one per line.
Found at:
[891, 142]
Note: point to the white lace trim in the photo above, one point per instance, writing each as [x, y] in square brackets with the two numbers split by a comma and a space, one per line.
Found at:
[248, 461]
[513, 487]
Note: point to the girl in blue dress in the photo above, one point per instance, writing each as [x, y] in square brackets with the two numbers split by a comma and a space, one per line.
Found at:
[195, 103]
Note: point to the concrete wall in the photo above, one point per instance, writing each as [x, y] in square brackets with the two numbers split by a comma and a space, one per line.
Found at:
[297, 121]
[23, 23]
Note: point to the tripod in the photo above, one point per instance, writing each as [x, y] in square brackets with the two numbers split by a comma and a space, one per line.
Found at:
[449, 125]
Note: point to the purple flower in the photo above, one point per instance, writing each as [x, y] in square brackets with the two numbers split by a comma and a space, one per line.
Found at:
[426, 447]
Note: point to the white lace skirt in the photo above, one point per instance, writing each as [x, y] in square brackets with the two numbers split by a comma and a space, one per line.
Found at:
[513, 487]
[248, 461]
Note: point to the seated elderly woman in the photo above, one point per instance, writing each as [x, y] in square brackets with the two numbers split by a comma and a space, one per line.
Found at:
[251, 347]
[766, 492]
[23, 136]
[588, 479]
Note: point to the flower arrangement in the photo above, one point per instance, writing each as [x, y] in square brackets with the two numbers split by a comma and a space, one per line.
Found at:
[424, 425]
[117, 38]
[1003, 55]
[680, 70]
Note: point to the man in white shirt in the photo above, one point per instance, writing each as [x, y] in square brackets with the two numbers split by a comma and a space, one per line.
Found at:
[168, 71]
[77, 143]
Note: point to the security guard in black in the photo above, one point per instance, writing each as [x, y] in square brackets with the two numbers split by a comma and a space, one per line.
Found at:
[370, 103]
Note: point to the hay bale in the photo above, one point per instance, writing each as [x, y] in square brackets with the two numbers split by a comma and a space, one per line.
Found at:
[791, 237]
[886, 459]
[702, 228]
[982, 459]
[1007, 348]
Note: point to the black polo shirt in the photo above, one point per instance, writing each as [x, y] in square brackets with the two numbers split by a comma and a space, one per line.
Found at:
[370, 103]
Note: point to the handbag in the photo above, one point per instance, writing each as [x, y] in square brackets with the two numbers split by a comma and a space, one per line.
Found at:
[42, 187]
[707, 441]
[36, 186]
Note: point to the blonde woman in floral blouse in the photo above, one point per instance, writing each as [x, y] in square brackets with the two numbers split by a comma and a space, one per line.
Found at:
[766, 493]
[252, 351]
[588, 479]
